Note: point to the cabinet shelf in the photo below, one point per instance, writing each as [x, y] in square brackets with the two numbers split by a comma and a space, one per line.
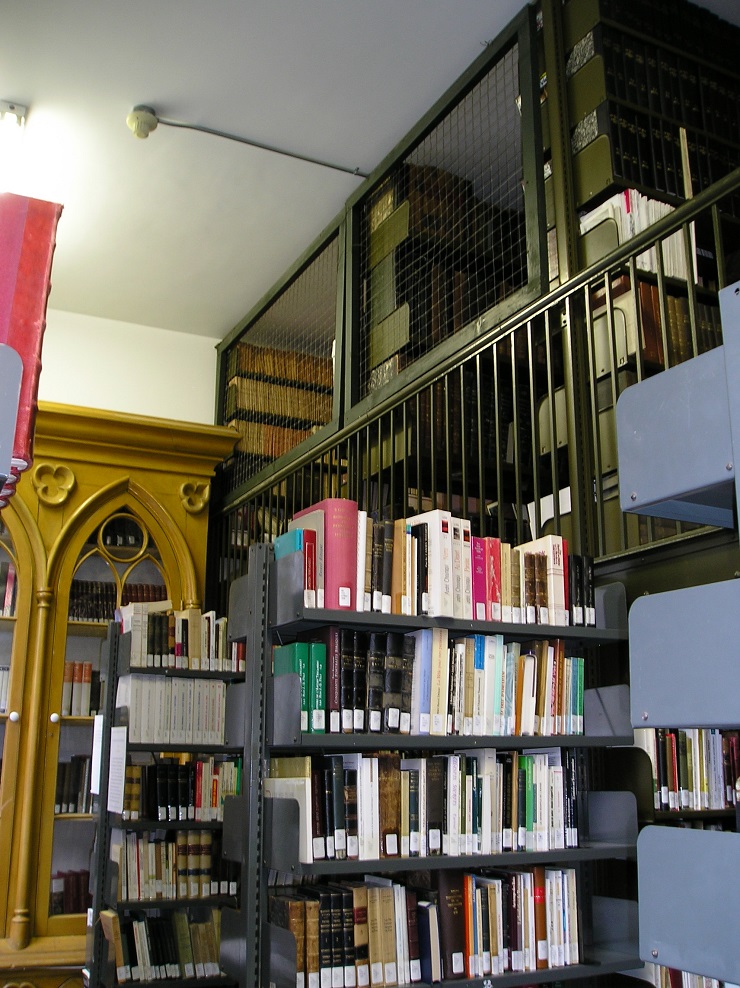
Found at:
[87, 629]
[132, 905]
[136, 826]
[606, 722]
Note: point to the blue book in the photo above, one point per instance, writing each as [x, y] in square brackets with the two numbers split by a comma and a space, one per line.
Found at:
[288, 543]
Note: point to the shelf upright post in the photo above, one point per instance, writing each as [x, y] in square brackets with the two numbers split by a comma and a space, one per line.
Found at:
[97, 971]
[241, 928]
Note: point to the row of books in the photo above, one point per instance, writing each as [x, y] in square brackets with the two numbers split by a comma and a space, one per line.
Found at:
[95, 600]
[659, 80]
[4, 687]
[428, 682]
[431, 564]
[694, 768]
[72, 793]
[69, 892]
[665, 977]
[162, 710]
[160, 948]
[80, 689]
[170, 864]
[167, 638]
[374, 806]
[631, 213]
[170, 790]
[8, 588]
[382, 933]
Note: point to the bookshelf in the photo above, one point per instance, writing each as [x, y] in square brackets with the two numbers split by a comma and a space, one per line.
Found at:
[162, 808]
[93, 473]
[266, 607]
[686, 867]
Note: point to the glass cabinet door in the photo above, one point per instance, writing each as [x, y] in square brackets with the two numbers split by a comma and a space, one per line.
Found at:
[118, 563]
[10, 707]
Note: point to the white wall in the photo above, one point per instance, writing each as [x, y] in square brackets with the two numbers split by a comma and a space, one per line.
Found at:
[123, 367]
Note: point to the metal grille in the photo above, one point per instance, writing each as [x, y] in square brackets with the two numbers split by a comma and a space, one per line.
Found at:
[280, 370]
[443, 235]
[520, 436]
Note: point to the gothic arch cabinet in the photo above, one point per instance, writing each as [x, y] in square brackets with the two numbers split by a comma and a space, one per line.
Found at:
[114, 508]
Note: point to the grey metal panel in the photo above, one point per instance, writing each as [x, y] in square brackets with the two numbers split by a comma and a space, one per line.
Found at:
[236, 699]
[279, 956]
[233, 944]
[286, 589]
[684, 668]
[283, 709]
[611, 606]
[729, 302]
[675, 448]
[606, 711]
[234, 831]
[612, 816]
[238, 623]
[690, 900]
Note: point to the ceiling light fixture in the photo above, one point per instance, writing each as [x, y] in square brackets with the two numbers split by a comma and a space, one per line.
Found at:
[142, 120]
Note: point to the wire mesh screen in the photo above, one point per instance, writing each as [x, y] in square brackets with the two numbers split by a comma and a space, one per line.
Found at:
[280, 371]
[443, 236]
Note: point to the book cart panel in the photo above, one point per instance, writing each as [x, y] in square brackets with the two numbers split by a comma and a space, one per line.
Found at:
[685, 628]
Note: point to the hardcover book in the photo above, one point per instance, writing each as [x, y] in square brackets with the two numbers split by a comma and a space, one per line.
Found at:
[340, 549]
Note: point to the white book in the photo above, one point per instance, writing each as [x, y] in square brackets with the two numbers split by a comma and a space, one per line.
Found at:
[529, 694]
[368, 782]
[451, 837]
[506, 604]
[457, 566]
[552, 546]
[440, 682]
[569, 894]
[361, 549]
[467, 568]
[439, 560]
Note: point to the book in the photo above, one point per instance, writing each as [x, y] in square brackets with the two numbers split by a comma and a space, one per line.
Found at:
[389, 793]
[451, 914]
[340, 549]
[301, 540]
[439, 561]
[313, 520]
[289, 913]
[110, 925]
[393, 681]
[430, 956]
[376, 646]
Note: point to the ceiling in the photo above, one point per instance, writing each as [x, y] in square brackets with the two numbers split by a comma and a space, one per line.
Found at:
[186, 231]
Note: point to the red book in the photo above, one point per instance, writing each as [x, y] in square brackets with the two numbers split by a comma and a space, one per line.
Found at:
[340, 550]
[480, 604]
[493, 577]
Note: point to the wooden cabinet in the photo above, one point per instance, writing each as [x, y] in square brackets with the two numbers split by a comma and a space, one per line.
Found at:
[111, 504]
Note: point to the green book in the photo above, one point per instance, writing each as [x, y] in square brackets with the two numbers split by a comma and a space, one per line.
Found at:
[316, 688]
[294, 658]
